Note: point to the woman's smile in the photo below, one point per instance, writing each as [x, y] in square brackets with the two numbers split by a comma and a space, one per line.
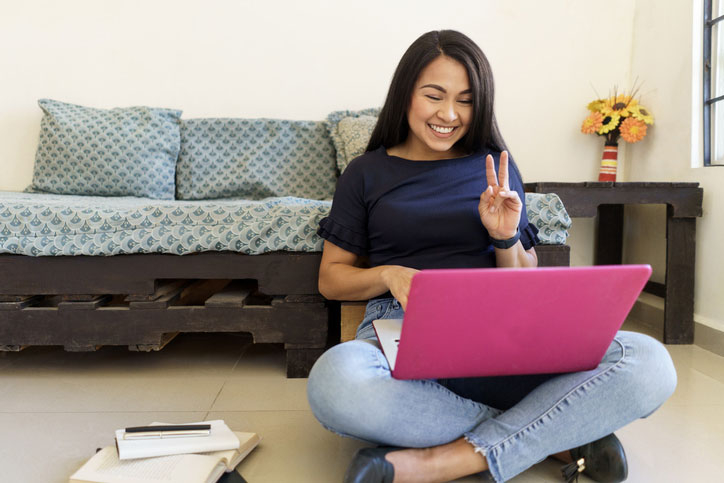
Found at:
[442, 131]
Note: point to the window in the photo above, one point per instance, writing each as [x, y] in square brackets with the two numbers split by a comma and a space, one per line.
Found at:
[713, 82]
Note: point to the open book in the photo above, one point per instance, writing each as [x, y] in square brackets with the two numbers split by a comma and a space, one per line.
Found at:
[105, 467]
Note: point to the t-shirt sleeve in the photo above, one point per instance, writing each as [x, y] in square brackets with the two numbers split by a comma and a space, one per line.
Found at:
[528, 231]
[346, 225]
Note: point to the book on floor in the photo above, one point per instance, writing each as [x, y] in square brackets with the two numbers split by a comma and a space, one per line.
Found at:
[207, 467]
[220, 438]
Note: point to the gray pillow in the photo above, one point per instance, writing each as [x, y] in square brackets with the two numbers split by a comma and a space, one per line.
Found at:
[353, 135]
[350, 132]
[107, 152]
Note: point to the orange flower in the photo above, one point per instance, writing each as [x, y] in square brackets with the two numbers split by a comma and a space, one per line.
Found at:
[632, 130]
[592, 123]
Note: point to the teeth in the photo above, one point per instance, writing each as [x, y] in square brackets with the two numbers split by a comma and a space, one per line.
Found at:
[440, 129]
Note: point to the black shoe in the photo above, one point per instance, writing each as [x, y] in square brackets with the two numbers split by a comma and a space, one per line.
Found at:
[370, 466]
[603, 460]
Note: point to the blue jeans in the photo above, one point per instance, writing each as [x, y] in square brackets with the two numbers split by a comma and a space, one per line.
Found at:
[514, 421]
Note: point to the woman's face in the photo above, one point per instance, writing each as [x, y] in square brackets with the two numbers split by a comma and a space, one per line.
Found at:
[440, 110]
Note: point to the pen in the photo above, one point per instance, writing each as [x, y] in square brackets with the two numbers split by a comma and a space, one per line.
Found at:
[162, 432]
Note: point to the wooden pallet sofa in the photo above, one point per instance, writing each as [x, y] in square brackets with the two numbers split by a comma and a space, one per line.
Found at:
[140, 225]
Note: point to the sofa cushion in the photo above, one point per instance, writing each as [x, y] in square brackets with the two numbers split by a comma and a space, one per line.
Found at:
[547, 213]
[107, 152]
[254, 159]
[350, 132]
[47, 224]
[353, 134]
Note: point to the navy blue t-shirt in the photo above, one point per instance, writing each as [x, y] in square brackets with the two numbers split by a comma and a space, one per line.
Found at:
[418, 214]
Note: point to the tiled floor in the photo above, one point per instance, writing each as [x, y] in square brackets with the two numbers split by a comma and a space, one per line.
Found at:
[57, 407]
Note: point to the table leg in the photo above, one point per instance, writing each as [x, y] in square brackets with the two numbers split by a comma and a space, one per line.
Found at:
[680, 260]
[609, 238]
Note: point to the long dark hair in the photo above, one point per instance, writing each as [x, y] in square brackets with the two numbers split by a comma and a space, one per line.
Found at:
[392, 126]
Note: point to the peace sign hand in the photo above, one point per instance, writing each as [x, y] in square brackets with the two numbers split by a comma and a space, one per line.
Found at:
[500, 207]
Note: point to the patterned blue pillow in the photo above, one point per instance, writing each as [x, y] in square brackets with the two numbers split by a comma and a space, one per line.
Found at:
[254, 159]
[547, 213]
[107, 152]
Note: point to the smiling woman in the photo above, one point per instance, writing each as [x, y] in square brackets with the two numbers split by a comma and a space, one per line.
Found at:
[436, 188]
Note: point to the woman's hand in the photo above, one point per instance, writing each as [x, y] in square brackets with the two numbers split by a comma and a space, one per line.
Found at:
[500, 207]
[398, 280]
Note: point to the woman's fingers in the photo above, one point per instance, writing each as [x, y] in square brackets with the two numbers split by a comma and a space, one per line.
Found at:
[504, 170]
[486, 199]
[490, 171]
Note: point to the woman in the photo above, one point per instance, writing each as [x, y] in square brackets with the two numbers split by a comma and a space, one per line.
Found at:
[436, 189]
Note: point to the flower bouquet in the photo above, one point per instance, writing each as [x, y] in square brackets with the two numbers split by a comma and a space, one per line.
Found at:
[617, 116]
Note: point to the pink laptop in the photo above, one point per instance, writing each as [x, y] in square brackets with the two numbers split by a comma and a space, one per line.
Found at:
[501, 321]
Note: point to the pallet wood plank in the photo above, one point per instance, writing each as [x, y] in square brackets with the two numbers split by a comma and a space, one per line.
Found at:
[198, 292]
[304, 299]
[278, 273]
[163, 297]
[352, 314]
[162, 290]
[81, 347]
[78, 297]
[13, 298]
[20, 303]
[163, 341]
[91, 304]
[12, 348]
[236, 294]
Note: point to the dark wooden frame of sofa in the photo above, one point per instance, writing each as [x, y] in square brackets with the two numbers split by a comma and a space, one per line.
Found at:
[67, 300]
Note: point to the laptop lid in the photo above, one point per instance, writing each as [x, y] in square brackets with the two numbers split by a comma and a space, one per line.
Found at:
[494, 322]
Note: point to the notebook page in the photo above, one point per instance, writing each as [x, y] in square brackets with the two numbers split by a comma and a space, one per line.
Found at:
[105, 467]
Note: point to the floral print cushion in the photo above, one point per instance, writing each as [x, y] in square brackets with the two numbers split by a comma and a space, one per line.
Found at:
[128, 151]
[46, 225]
[254, 159]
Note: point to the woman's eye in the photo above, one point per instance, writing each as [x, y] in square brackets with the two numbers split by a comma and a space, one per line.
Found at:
[466, 101]
[433, 98]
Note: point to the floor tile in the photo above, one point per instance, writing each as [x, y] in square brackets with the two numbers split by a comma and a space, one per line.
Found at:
[93, 393]
[295, 447]
[48, 448]
[694, 387]
[259, 383]
[187, 375]
[701, 360]
[195, 355]
[676, 444]
[633, 325]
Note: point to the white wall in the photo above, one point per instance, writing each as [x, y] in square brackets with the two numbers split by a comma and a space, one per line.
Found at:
[666, 52]
[301, 60]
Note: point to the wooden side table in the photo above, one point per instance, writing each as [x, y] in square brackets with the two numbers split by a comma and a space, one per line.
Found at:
[684, 204]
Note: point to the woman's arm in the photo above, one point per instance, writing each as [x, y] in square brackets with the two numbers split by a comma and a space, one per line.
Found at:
[500, 211]
[341, 277]
[516, 257]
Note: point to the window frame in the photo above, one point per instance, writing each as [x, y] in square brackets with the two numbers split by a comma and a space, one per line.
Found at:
[709, 23]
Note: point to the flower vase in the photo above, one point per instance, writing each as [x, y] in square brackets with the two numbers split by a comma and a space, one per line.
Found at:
[609, 162]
